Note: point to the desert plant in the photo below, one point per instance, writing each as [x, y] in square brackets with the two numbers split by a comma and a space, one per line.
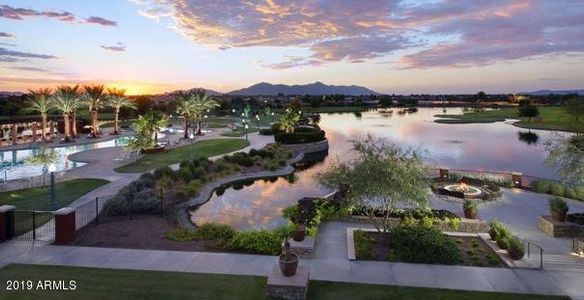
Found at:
[558, 208]
[516, 248]
[499, 230]
[470, 208]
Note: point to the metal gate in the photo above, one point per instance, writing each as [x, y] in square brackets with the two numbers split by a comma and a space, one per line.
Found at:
[33, 225]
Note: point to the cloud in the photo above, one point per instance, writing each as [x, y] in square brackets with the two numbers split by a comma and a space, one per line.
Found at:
[118, 48]
[14, 56]
[292, 62]
[101, 21]
[22, 13]
[6, 35]
[427, 34]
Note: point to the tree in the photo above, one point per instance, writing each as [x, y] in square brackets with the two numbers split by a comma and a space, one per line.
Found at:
[94, 96]
[185, 108]
[148, 125]
[66, 100]
[575, 107]
[566, 156]
[380, 177]
[295, 105]
[315, 101]
[117, 100]
[201, 105]
[529, 111]
[40, 101]
[528, 137]
[43, 157]
[288, 121]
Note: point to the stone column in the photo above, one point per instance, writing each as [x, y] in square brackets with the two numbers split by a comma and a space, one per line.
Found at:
[64, 225]
[6, 222]
[14, 134]
[34, 131]
[517, 179]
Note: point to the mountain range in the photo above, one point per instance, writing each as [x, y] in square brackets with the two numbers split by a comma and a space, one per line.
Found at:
[555, 92]
[316, 88]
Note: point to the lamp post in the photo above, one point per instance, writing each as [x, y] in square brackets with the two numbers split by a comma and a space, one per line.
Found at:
[246, 127]
[258, 121]
[272, 115]
[52, 169]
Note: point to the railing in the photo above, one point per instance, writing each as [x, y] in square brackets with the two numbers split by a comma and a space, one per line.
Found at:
[529, 246]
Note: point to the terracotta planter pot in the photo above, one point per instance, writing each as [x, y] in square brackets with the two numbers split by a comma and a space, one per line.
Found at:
[470, 213]
[558, 216]
[299, 234]
[289, 264]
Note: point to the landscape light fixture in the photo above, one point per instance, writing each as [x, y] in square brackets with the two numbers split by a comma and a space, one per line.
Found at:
[52, 168]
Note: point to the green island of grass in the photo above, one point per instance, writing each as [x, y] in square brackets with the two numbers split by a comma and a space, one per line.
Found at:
[94, 283]
[38, 198]
[550, 118]
[206, 148]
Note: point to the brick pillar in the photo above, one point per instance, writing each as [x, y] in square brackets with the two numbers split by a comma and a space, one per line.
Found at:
[444, 174]
[64, 225]
[6, 222]
[517, 179]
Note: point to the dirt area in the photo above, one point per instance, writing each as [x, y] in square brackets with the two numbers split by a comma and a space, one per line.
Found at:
[473, 251]
[143, 232]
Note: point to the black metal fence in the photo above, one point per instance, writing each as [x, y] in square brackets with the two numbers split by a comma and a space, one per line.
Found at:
[33, 225]
[127, 206]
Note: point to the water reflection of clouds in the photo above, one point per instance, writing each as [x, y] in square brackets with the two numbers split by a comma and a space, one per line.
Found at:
[492, 147]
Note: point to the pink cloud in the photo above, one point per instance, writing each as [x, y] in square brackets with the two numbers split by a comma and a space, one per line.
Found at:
[101, 21]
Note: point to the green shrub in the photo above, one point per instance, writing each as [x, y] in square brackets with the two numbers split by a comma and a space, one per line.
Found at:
[516, 248]
[213, 231]
[418, 244]
[503, 242]
[257, 242]
[198, 172]
[266, 131]
[454, 223]
[499, 230]
[180, 235]
[470, 205]
[363, 245]
[558, 204]
[148, 179]
[164, 171]
[194, 187]
[185, 174]
[300, 135]
[557, 189]
[541, 186]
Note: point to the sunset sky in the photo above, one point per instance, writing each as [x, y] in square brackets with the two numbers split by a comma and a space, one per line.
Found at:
[402, 47]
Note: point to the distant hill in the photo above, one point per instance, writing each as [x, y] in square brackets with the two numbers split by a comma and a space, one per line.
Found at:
[207, 91]
[317, 88]
[6, 94]
[555, 92]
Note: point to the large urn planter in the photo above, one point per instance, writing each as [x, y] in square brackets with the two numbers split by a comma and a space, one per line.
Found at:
[470, 208]
[299, 233]
[558, 209]
[470, 213]
[288, 264]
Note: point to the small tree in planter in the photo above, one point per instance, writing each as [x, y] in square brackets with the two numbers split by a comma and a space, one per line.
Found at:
[470, 208]
[558, 209]
[380, 177]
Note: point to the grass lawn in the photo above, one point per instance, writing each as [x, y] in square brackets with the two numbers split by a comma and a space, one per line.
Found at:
[239, 132]
[92, 283]
[39, 198]
[204, 148]
[552, 118]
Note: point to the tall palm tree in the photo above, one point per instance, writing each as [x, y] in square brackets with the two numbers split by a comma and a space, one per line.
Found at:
[202, 104]
[185, 108]
[117, 100]
[66, 100]
[288, 121]
[40, 101]
[94, 96]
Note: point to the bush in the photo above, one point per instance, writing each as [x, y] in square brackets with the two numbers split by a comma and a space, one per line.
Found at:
[363, 245]
[257, 242]
[300, 136]
[148, 179]
[423, 245]
[185, 174]
[180, 235]
[266, 131]
[557, 189]
[516, 248]
[214, 232]
[470, 205]
[503, 242]
[198, 172]
[194, 187]
[164, 171]
[541, 186]
[558, 204]
[499, 230]
[241, 159]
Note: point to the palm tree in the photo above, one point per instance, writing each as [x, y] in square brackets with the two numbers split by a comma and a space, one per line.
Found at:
[40, 101]
[66, 101]
[94, 99]
[202, 104]
[148, 125]
[288, 121]
[118, 100]
[185, 108]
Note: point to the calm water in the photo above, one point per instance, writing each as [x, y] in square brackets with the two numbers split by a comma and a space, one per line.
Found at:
[490, 147]
[13, 163]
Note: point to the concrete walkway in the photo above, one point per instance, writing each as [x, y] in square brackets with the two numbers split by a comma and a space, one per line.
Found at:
[330, 263]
